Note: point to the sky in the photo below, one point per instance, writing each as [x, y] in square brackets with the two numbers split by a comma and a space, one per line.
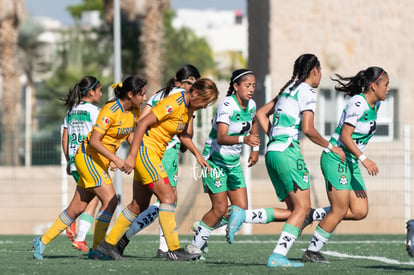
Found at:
[56, 8]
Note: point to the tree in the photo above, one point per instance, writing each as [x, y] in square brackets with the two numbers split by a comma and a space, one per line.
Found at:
[11, 15]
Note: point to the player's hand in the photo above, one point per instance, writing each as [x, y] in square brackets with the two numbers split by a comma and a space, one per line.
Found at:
[203, 163]
[112, 166]
[128, 164]
[252, 140]
[371, 167]
[339, 152]
[253, 158]
[68, 169]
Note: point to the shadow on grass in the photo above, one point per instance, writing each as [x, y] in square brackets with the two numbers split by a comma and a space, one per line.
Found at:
[390, 268]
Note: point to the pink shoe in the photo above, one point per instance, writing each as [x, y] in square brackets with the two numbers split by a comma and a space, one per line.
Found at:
[71, 231]
[80, 245]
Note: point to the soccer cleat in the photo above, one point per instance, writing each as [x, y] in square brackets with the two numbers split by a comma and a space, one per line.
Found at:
[181, 255]
[194, 227]
[314, 257]
[95, 254]
[237, 217]
[39, 248]
[122, 243]
[192, 249]
[161, 254]
[308, 220]
[277, 260]
[409, 243]
[109, 250]
[80, 245]
[71, 231]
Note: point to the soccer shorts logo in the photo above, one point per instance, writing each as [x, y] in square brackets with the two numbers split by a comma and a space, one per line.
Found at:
[161, 168]
[343, 180]
[217, 183]
[105, 175]
[305, 177]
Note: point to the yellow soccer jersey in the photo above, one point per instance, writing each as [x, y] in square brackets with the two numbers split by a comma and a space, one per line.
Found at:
[115, 124]
[172, 113]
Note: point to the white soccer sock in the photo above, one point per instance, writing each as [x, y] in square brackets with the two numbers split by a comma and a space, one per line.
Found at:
[320, 213]
[318, 241]
[201, 235]
[85, 224]
[284, 244]
[163, 243]
[256, 216]
[144, 219]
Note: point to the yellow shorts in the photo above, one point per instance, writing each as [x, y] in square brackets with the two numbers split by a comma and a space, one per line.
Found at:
[92, 173]
[148, 167]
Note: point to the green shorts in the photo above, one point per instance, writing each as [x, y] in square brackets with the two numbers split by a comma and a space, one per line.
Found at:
[223, 179]
[170, 163]
[341, 175]
[287, 170]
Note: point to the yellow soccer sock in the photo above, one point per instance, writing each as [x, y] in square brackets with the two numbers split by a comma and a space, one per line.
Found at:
[121, 226]
[102, 222]
[60, 224]
[166, 217]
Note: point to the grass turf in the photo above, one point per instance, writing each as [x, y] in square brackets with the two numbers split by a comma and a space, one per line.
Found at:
[349, 254]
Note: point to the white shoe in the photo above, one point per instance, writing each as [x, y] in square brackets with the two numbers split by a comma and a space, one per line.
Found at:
[194, 250]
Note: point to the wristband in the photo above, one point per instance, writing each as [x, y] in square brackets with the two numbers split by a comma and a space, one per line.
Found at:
[256, 148]
[330, 146]
[362, 157]
[241, 139]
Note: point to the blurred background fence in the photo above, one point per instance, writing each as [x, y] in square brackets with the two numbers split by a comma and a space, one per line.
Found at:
[32, 196]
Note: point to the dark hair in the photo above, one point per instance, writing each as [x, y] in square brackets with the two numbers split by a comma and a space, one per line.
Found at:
[360, 82]
[80, 90]
[304, 64]
[184, 73]
[132, 83]
[238, 76]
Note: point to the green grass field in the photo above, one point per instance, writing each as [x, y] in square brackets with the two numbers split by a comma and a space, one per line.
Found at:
[349, 254]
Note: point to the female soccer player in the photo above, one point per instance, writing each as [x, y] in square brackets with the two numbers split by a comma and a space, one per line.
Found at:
[80, 117]
[184, 78]
[168, 118]
[293, 112]
[344, 183]
[114, 124]
[234, 124]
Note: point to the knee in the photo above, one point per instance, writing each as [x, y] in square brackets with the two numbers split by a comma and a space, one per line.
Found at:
[169, 198]
[220, 209]
[360, 214]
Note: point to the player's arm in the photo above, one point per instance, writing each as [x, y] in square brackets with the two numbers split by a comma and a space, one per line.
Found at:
[254, 153]
[308, 128]
[186, 140]
[144, 111]
[142, 126]
[346, 139]
[96, 143]
[65, 148]
[263, 116]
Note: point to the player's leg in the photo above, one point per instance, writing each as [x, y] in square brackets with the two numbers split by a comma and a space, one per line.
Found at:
[85, 223]
[75, 208]
[410, 238]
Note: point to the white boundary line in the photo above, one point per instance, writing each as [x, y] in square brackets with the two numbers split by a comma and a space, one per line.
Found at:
[374, 258]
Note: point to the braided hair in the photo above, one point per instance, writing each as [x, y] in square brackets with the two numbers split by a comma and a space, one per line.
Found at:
[80, 90]
[303, 66]
[238, 76]
[359, 83]
[184, 73]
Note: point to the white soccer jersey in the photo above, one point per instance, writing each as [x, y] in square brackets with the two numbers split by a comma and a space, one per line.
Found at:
[287, 117]
[240, 124]
[359, 114]
[79, 122]
[155, 99]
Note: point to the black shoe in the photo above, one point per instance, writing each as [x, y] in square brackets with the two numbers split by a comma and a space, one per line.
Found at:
[120, 246]
[181, 255]
[162, 254]
[314, 257]
[308, 220]
[109, 250]
[409, 243]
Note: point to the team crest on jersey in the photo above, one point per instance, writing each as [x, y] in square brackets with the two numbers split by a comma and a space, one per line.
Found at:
[343, 180]
[305, 177]
[105, 120]
[105, 175]
[218, 183]
[168, 109]
[162, 170]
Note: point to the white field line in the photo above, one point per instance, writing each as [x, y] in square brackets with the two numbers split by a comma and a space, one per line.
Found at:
[374, 258]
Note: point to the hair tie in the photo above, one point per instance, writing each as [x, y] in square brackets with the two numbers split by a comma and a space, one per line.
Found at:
[119, 84]
[90, 88]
